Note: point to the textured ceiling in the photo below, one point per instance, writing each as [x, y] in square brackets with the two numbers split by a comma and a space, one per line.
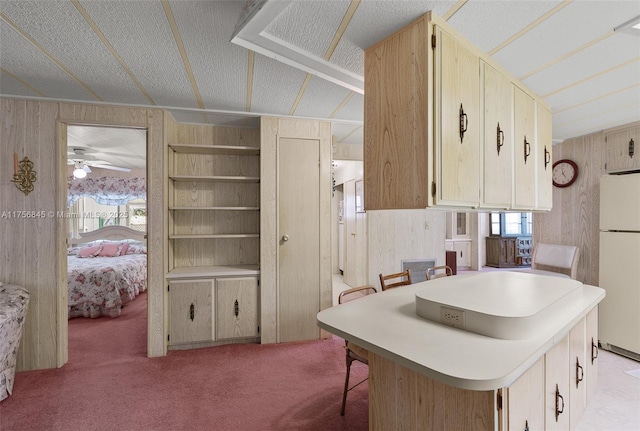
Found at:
[305, 58]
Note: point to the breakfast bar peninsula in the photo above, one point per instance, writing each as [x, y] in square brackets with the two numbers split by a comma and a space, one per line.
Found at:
[485, 351]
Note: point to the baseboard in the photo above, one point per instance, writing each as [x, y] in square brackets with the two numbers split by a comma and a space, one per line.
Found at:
[620, 351]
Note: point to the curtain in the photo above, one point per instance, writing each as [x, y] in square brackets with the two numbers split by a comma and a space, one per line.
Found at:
[106, 190]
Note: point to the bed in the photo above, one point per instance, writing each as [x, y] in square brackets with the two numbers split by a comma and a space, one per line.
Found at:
[106, 269]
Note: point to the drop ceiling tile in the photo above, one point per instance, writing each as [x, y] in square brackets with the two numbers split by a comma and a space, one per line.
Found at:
[141, 35]
[489, 23]
[596, 59]
[275, 86]
[611, 82]
[64, 33]
[22, 59]
[321, 98]
[219, 67]
[566, 30]
[309, 25]
[628, 100]
[353, 109]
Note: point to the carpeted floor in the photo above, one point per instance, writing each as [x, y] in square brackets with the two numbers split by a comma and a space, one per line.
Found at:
[110, 384]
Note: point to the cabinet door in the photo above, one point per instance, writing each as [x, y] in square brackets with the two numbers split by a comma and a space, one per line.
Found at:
[618, 144]
[544, 183]
[191, 311]
[237, 308]
[578, 376]
[498, 139]
[463, 251]
[557, 387]
[525, 400]
[592, 352]
[457, 123]
[524, 168]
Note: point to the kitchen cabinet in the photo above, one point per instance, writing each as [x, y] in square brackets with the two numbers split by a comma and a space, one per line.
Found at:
[578, 378]
[457, 121]
[524, 169]
[191, 318]
[544, 162]
[592, 352]
[622, 148]
[457, 225]
[497, 97]
[525, 400]
[556, 392]
[433, 103]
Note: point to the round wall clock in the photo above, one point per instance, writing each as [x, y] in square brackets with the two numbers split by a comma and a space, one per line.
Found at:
[565, 173]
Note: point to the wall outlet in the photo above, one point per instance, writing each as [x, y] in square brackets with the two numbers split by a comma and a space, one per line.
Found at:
[452, 317]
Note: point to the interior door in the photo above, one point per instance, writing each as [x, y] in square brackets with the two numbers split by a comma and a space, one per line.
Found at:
[350, 228]
[299, 238]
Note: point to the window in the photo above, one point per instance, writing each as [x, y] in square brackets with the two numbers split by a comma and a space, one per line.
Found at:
[511, 224]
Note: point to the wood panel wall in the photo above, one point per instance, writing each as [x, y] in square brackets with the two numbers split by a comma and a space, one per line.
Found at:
[575, 216]
[34, 255]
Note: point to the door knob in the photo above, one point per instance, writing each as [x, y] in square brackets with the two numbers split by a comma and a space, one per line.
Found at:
[285, 237]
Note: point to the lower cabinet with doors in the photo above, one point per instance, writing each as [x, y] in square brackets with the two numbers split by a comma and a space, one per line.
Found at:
[553, 393]
[210, 311]
[462, 249]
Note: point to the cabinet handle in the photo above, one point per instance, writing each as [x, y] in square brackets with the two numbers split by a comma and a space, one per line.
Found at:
[526, 425]
[527, 149]
[547, 157]
[594, 346]
[464, 122]
[500, 136]
[631, 147]
[559, 399]
[236, 308]
[192, 312]
[579, 372]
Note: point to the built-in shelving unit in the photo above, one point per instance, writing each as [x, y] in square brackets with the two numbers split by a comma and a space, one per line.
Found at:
[213, 235]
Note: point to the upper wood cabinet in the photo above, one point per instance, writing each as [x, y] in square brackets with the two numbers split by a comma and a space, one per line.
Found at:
[439, 125]
[457, 122]
[622, 148]
[544, 150]
[498, 139]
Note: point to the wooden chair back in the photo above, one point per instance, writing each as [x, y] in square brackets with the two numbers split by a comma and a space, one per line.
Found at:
[355, 293]
[439, 271]
[386, 281]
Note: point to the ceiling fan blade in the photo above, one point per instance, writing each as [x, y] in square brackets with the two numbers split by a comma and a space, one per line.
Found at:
[87, 169]
[113, 168]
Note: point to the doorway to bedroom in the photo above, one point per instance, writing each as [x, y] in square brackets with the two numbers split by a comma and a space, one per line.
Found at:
[106, 236]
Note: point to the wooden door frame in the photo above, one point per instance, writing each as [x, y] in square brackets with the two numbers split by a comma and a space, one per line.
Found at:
[155, 156]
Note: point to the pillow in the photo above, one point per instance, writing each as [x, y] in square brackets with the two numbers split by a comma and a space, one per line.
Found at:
[113, 249]
[72, 251]
[90, 251]
[137, 248]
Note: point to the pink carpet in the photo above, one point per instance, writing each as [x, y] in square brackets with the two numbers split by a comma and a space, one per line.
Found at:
[110, 384]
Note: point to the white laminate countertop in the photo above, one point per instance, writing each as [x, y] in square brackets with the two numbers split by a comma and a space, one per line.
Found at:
[387, 324]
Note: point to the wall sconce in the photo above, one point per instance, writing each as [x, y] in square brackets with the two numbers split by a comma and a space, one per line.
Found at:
[23, 174]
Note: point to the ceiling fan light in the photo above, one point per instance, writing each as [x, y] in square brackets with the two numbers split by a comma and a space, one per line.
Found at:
[79, 171]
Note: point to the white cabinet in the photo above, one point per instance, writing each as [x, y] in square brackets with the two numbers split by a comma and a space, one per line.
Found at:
[544, 162]
[191, 308]
[524, 168]
[457, 225]
[623, 152]
[463, 252]
[525, 400]
[557, 387]
[578, 377]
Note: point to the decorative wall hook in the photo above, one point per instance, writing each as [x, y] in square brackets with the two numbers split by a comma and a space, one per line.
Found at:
[23, 176]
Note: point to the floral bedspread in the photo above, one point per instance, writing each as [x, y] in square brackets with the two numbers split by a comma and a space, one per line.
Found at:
[101, 286]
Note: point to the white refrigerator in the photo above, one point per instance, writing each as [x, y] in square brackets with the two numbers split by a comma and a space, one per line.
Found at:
[619, 312]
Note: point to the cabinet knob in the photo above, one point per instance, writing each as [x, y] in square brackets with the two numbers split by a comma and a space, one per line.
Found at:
[285, 238]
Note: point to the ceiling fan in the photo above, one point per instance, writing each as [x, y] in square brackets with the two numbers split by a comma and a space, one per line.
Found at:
[84, 162]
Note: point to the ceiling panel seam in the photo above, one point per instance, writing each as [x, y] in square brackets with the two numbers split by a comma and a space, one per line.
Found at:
[251, 60]
[598, 114]
[609, 125]
[183, 52]
[341, 105]
[567, 55]
[346, 19]
[111, 49]
[455, 8]
[597, 98]
[49, 56]
[588, 78]
[530, 26]
[21, 81]
[303, 88]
